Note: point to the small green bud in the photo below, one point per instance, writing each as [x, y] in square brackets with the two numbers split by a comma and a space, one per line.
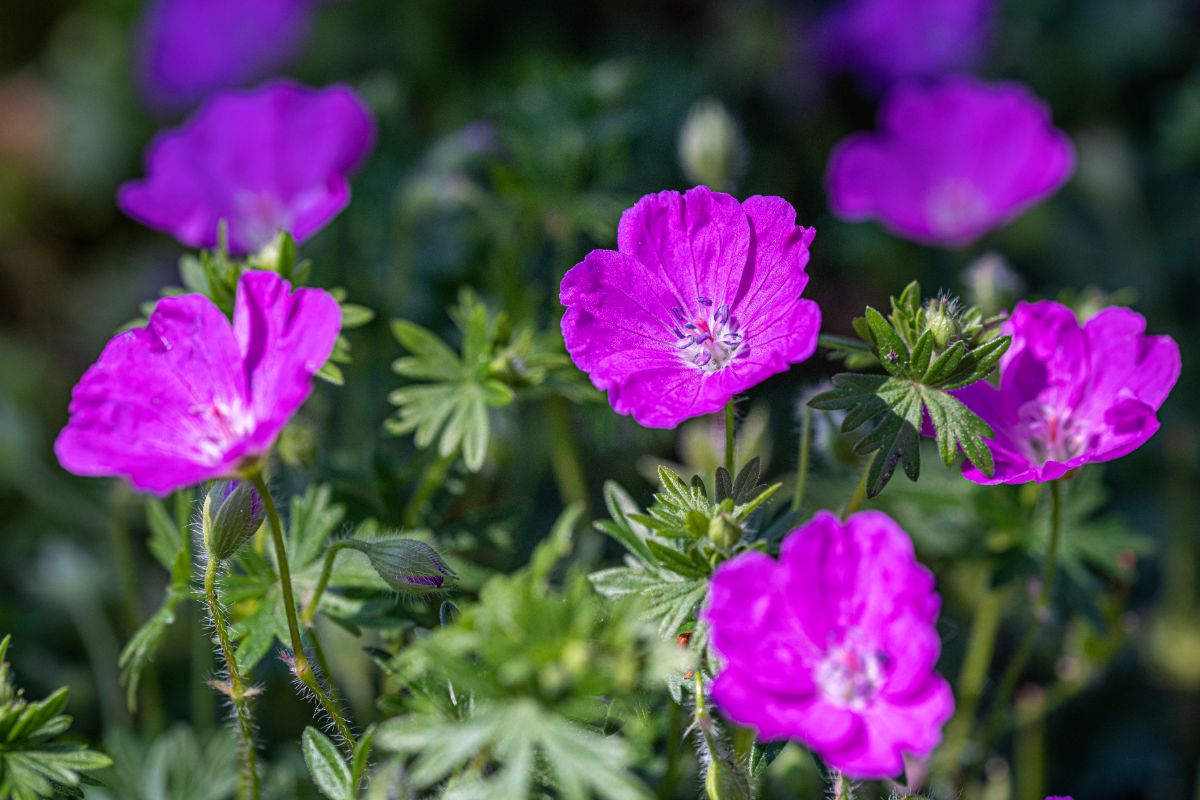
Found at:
[941, 319]
[408, 566]
[233, 511]
[724, 531]
[724, 781]
[711, 149]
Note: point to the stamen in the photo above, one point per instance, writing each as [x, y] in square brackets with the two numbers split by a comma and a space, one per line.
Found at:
[678, 312]
[704, 301]
[722, 315]
[702, 358]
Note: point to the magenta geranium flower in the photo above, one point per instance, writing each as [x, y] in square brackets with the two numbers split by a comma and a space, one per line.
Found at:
[700, 301]
[950, 162]
[833, 645]
[263, 161]
[191, 48]
[190, 396]
[1071, 394]
[887, 41]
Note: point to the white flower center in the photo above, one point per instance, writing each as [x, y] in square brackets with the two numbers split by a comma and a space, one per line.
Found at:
[219, 426]
[709, 339]
[1047, 433]
[955, 207]
[851, 673]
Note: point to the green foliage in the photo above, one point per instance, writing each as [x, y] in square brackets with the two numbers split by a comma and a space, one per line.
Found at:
[512, 693]
[170, 545]
[179, 764]
[252, 591]
[452, 405]
[35, 761]
[927, 350]
[675, 545]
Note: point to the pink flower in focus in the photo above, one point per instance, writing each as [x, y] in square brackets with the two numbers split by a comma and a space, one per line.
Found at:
[700, 301]
[1071, 394]
[272, 159]
[833, 645]
[950, 162]
[887, 41]
[191, 397]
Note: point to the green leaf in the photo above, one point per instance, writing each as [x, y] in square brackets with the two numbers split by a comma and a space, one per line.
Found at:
[362, 754]
[326, 766]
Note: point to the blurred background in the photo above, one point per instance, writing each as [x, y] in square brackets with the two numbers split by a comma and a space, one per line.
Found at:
[511, 138]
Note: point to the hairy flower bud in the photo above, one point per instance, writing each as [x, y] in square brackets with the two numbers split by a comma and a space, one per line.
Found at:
[233, 511]
[711, 149]
[941, 319]
[724, 531]
[408, 566]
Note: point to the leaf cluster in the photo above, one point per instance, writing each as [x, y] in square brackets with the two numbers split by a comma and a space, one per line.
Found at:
[458, 387]
[35, 761]
[511, 693]
[927, 351]
[676, 545]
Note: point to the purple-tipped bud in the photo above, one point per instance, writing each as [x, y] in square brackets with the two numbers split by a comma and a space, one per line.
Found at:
[233, 511]
[408, 566]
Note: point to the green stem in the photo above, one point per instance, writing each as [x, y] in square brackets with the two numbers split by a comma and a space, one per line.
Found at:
[249, 783]
[565, 462]
[670, 779]
[802, 463]
[201, 646]
[310, 611]
[430, 479]
[984, 628]
[1041, 605]
[730, 430]
[300, 666]
[860, 491]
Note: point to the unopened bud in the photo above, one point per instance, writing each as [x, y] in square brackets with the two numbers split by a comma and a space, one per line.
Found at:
[724, 531]
[725, 781]
[941, 319]
[406, 565]
[711, 149]
[233, 511]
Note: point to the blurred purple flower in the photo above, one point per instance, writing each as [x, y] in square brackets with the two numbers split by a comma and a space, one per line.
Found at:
[191, 397]
[833, 645]
[191, 48]
[1071, 395]
[951, 161]
[263, 161]
[700, 302]
[887, 41]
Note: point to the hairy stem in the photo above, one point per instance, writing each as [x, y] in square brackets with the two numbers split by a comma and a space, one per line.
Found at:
[430, 478]
[835, 342]
[802, 461]
[310, 610]
[248, 784]
[1041, 606]
[300, 666]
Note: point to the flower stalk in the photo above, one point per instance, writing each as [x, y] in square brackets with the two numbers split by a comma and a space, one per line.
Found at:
[248, 788]
[300, 665]
[730, 431]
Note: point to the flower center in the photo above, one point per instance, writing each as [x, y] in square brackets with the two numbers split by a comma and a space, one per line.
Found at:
[851, 673]
[1049, 434]
[260, 216]
[956, 207]
[222, 425]
[708, 340]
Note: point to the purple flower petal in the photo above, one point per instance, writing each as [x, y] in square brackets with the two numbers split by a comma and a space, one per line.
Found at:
[191, 397]
[1071, 395]
[263, 161]
[951, 161]
[834, 645]
[702, 301]
[190, 48]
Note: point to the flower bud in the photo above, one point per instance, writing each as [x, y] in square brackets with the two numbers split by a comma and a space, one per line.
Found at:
[724, 531]
[724, 781]
[233, 511]
[711, 149]
[408, 566]
[941, 319]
